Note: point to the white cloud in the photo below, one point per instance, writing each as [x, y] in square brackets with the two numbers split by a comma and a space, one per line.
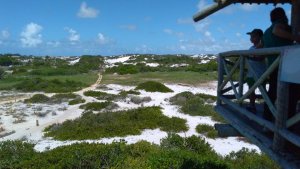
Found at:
[168, 31]
[207, 33]
[53, 43]
[129, 27]
[202, 26]
[248, 7]
[238, 34]
[102, 39]
[185, 21]
[87, 12]
[202, 5]
[5, 34]
[73, 35]
[30, 36]
[143, 49]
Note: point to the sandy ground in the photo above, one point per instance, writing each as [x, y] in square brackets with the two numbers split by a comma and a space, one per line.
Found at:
[29, 131]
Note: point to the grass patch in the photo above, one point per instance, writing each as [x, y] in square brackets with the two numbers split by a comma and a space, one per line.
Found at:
[76, 101]
[58, 98]
[44, 83]
[152, 86]
[207, 130]
[38, 98]
[95, 106]
[99, 95]
[110, 124]
[186, 77]
[195, 105]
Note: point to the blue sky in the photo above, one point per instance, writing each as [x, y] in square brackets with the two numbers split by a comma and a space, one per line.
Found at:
[113, 27]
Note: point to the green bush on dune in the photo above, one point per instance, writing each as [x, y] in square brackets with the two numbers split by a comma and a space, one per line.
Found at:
[152, 86]
[110, 124]
[174, 152]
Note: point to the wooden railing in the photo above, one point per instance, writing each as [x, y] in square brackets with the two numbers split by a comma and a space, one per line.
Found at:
[232, 68]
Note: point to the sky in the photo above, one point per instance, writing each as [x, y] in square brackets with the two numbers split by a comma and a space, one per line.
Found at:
[115, 27]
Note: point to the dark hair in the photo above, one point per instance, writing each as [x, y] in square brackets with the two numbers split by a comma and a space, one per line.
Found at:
[278, 14]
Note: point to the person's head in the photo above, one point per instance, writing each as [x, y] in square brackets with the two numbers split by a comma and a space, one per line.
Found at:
[278, 15]
[255, 36]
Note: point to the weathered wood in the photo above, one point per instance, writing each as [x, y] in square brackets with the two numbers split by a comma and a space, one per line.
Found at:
[229, 75]
[282, 112]
[293, 120]
[220, 78]
[241, 79]
[293, 138]
[211, 9]
[230, 88]
[248, 114]
[259, 82]
[257, 138]
[226, 130]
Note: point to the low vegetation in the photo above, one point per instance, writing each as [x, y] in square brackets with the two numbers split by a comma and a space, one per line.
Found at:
[95, 106]
[100, 95]
[152, 86]
[196, 105]
[111, 124]
[207, 130]
[58, 98]
[174, 152]
[49, 74]
[183, 77]
[76, 101]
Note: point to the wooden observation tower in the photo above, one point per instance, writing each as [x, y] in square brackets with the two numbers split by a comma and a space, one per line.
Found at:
[279, 138]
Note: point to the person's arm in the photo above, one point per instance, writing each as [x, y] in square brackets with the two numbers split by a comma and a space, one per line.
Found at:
[279, 30]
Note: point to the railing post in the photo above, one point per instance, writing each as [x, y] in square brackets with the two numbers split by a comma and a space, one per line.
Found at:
[241, 80]
[220, 77]
[282, 112]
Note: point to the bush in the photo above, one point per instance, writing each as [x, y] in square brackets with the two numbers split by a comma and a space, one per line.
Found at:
[76, 101]
[245, 159]
[207, 130]
[100, 95]
[195, 105]
[152, 86]
[95, 106]
[122, 123]
[51, 86]
[38, 98]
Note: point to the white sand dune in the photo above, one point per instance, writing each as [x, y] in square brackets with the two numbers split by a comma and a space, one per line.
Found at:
[34, 133]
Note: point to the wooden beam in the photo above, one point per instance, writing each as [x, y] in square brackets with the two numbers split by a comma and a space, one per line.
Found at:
[249, 114]
[211, 9]
[229, 75]
[226, 130]
[293, 120]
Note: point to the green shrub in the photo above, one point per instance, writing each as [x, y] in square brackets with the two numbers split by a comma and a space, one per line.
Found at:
[195, 105]
[76, 101]
[95, 106]
[100, 95]
[110, 124]
[245, 159]
[51, 86]
[38, 98]
[13, 153]
[152, 86]
[207, 130]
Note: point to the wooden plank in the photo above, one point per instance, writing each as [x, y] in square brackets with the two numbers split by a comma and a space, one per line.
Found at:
[229, 88]
[258, 52]
[258, 139]
[248, 114]
[293, 120]
[229, 75]
[241, 78]
[293, 138]
[220, 77]
[226, 130]
[259, 82]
